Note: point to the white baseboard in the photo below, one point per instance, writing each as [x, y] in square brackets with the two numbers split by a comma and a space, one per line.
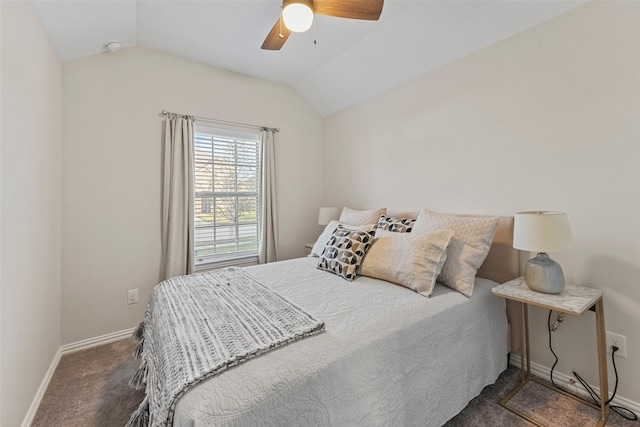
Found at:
[28, 419]
[65, 349]
[565, 381]
[93, 342]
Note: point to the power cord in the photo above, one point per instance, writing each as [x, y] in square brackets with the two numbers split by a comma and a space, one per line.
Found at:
[620, 410]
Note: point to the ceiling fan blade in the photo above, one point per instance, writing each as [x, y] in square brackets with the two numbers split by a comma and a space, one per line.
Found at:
[277, 36]
[354, 9]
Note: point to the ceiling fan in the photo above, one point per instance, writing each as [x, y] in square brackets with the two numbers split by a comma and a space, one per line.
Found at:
[297, 16]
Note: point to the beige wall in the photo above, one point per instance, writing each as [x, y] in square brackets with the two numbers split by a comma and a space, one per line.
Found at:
[545, 120]
[1, 288]
[111, 178]
[30, 214]
[549, 119]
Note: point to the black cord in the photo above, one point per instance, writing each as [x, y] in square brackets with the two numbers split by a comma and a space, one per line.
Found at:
[551, 348]
[620, 410]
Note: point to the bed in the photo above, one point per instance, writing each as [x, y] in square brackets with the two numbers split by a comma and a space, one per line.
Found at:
[388, 356]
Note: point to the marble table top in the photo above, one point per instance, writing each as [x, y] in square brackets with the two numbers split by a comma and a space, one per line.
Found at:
[573, 300]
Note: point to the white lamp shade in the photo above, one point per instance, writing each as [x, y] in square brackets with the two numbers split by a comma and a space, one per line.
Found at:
[326, 215]
[542, 231]
[298, 15]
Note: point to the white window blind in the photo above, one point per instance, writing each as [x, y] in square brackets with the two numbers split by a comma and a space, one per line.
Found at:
[227, 165]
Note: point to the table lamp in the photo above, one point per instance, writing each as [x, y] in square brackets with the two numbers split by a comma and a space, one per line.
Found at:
[542, 232]
[326, 215]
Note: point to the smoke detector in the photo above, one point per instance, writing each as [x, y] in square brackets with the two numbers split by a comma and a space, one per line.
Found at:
[112, 46]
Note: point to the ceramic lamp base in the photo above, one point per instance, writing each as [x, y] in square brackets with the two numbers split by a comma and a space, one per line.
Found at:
[543, 274]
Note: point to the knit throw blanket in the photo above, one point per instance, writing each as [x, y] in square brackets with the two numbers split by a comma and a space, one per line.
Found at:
[199, 325]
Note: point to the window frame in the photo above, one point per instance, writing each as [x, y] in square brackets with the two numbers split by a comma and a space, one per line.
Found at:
[245, 257]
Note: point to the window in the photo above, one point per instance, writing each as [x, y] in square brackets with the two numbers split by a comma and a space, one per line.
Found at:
[227, 197]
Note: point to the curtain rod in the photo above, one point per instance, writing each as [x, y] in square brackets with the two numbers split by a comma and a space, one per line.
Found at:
[204, 119]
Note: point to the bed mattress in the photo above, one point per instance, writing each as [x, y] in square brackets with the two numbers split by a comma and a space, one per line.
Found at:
[389, 356]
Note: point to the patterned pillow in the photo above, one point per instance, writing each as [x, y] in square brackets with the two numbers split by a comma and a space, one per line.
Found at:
[322, 240]
[398, 225]
[470, 244]
[355, 217]
[344, 252]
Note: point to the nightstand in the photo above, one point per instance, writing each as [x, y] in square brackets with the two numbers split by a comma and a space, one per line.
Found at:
[308, 247]
[574, 301]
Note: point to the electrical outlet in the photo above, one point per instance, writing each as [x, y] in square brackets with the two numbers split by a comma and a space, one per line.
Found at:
[132, 296]
[619, 341]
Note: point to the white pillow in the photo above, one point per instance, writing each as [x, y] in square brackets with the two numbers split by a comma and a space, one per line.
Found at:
[470, 244]
[355, 217]
[319, 245]
[411, 260]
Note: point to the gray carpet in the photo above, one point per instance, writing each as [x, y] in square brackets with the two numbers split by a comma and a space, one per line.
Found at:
[90, 388]
[538, 402]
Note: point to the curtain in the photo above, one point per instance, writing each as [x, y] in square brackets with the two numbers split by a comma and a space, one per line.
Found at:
[177, 196]
[268, 204]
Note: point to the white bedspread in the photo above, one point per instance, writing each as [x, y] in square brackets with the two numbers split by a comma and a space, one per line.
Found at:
[388, 357]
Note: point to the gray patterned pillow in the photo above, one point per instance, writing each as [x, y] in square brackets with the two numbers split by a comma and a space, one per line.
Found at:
[344, 252]
[319, 245]
[398, 225]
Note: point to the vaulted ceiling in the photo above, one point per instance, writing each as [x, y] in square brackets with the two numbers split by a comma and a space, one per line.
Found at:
[351, 61]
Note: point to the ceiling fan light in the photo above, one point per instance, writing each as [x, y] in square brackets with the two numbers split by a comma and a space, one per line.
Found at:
[298, 16]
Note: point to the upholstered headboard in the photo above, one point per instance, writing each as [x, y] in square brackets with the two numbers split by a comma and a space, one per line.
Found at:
[503, 261]
[501, 265]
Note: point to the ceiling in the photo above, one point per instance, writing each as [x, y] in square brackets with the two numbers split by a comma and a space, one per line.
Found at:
[352, 60]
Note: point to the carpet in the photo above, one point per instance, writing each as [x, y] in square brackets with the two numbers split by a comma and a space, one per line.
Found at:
[538, 402]
[90, 388]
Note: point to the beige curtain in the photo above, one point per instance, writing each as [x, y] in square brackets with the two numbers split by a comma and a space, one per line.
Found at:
[177, 196]
[268, 204]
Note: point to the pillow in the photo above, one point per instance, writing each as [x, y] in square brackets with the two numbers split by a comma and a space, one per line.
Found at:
[354, 217]
[344, 252]
[469, 245]
[319, 245]
[395, 224]
[410, 260]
